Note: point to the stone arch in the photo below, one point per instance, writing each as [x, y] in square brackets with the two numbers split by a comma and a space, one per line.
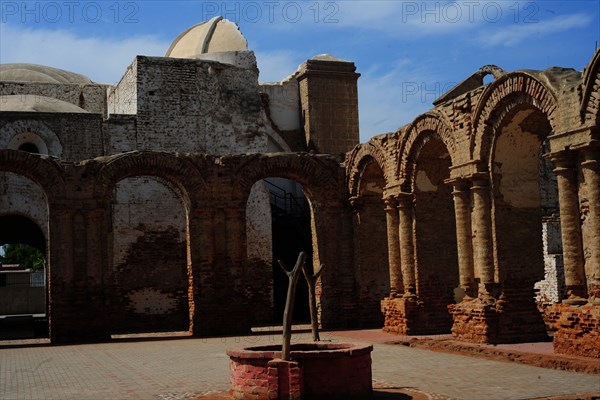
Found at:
[359, 159]
[30, 232]
[13, 129]
[369, 189]
[322, 179]
[422, 130]
[163, 293]
[317, 174]
[590, 105]
[428, 150]
[501, 98]
[44, 171]
[175, 169]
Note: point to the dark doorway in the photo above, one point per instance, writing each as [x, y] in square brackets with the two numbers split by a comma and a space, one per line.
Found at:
[23, 294]
[291, 227]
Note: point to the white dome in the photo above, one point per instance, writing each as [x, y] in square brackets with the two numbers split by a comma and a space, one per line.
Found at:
[39, 73]
[215, 35]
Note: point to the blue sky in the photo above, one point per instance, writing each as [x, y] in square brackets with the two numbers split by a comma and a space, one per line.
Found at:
[408, 52]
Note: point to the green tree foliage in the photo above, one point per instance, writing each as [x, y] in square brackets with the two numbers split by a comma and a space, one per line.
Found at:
[22, 254]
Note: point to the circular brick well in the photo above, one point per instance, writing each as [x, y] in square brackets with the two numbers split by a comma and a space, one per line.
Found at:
[316, 371]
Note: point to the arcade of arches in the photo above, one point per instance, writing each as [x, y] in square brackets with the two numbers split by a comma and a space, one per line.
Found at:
[446, 225]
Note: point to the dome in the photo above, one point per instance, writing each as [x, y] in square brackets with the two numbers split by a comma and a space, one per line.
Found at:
[215, 35]
[36, 103]
[39, 73]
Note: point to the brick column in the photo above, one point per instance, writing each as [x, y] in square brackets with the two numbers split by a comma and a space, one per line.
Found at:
[407, 248]
[482, 236]
[464, 239]
[393, 240]
[591, 175]
[200, 237]
[235, 220]
[570, 227]
[76, 284]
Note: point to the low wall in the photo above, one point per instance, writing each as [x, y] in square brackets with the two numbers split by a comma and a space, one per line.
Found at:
[22, 300]
[577, 329]
[318, 371]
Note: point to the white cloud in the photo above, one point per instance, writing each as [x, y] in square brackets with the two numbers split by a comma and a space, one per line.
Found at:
[400, 18]
[393, 99]
[514, 34]
[100, 59]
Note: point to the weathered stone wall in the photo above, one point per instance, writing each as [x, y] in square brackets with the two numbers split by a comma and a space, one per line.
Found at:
[77, 136]
[202, 106]
[90, 97]
[435, 236]
[511, 228]
[22, 196]
[372, 270]
[122, 98]
[120, 134]
[149, 277]
[329, 101]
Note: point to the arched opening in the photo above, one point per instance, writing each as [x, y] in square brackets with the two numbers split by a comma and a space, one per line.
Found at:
[371, 246]
[29, 142]
[525, 215]
[435, 233]
[24, 225]
[29, 147]
[149, 272]
[278, 226]
[22, 279]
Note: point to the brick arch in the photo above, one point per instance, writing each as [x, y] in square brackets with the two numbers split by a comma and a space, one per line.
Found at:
[320, 175]
[43, 170]
[358, 160]
[51, 140]
[421, 130]
[501, 98]
[590, 105]
[175, 169]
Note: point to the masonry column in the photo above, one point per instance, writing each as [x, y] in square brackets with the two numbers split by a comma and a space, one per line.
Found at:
[407, 247]
[482, 235]
[591, 175]
[393, 240]
[464, 239]
[570, 225]
[201, 248]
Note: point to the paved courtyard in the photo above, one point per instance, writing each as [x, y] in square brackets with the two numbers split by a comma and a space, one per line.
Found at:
[181, 368]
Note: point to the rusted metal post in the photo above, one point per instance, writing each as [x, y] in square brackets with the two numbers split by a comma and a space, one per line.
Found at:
[293, 276]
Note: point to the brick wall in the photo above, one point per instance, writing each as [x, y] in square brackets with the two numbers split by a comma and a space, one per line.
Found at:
[90, 97]
[578, 330]
[371, 257]
[149, 279]
[329, 101]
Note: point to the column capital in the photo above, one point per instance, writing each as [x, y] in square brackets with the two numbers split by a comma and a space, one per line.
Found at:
[405, 199]
[390, 203]
[480, 181]
[591, 158]
[563, 159]
[460, 185]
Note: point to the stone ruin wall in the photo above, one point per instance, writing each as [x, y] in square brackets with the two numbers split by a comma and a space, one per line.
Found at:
[91, 97]
[524, 201]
